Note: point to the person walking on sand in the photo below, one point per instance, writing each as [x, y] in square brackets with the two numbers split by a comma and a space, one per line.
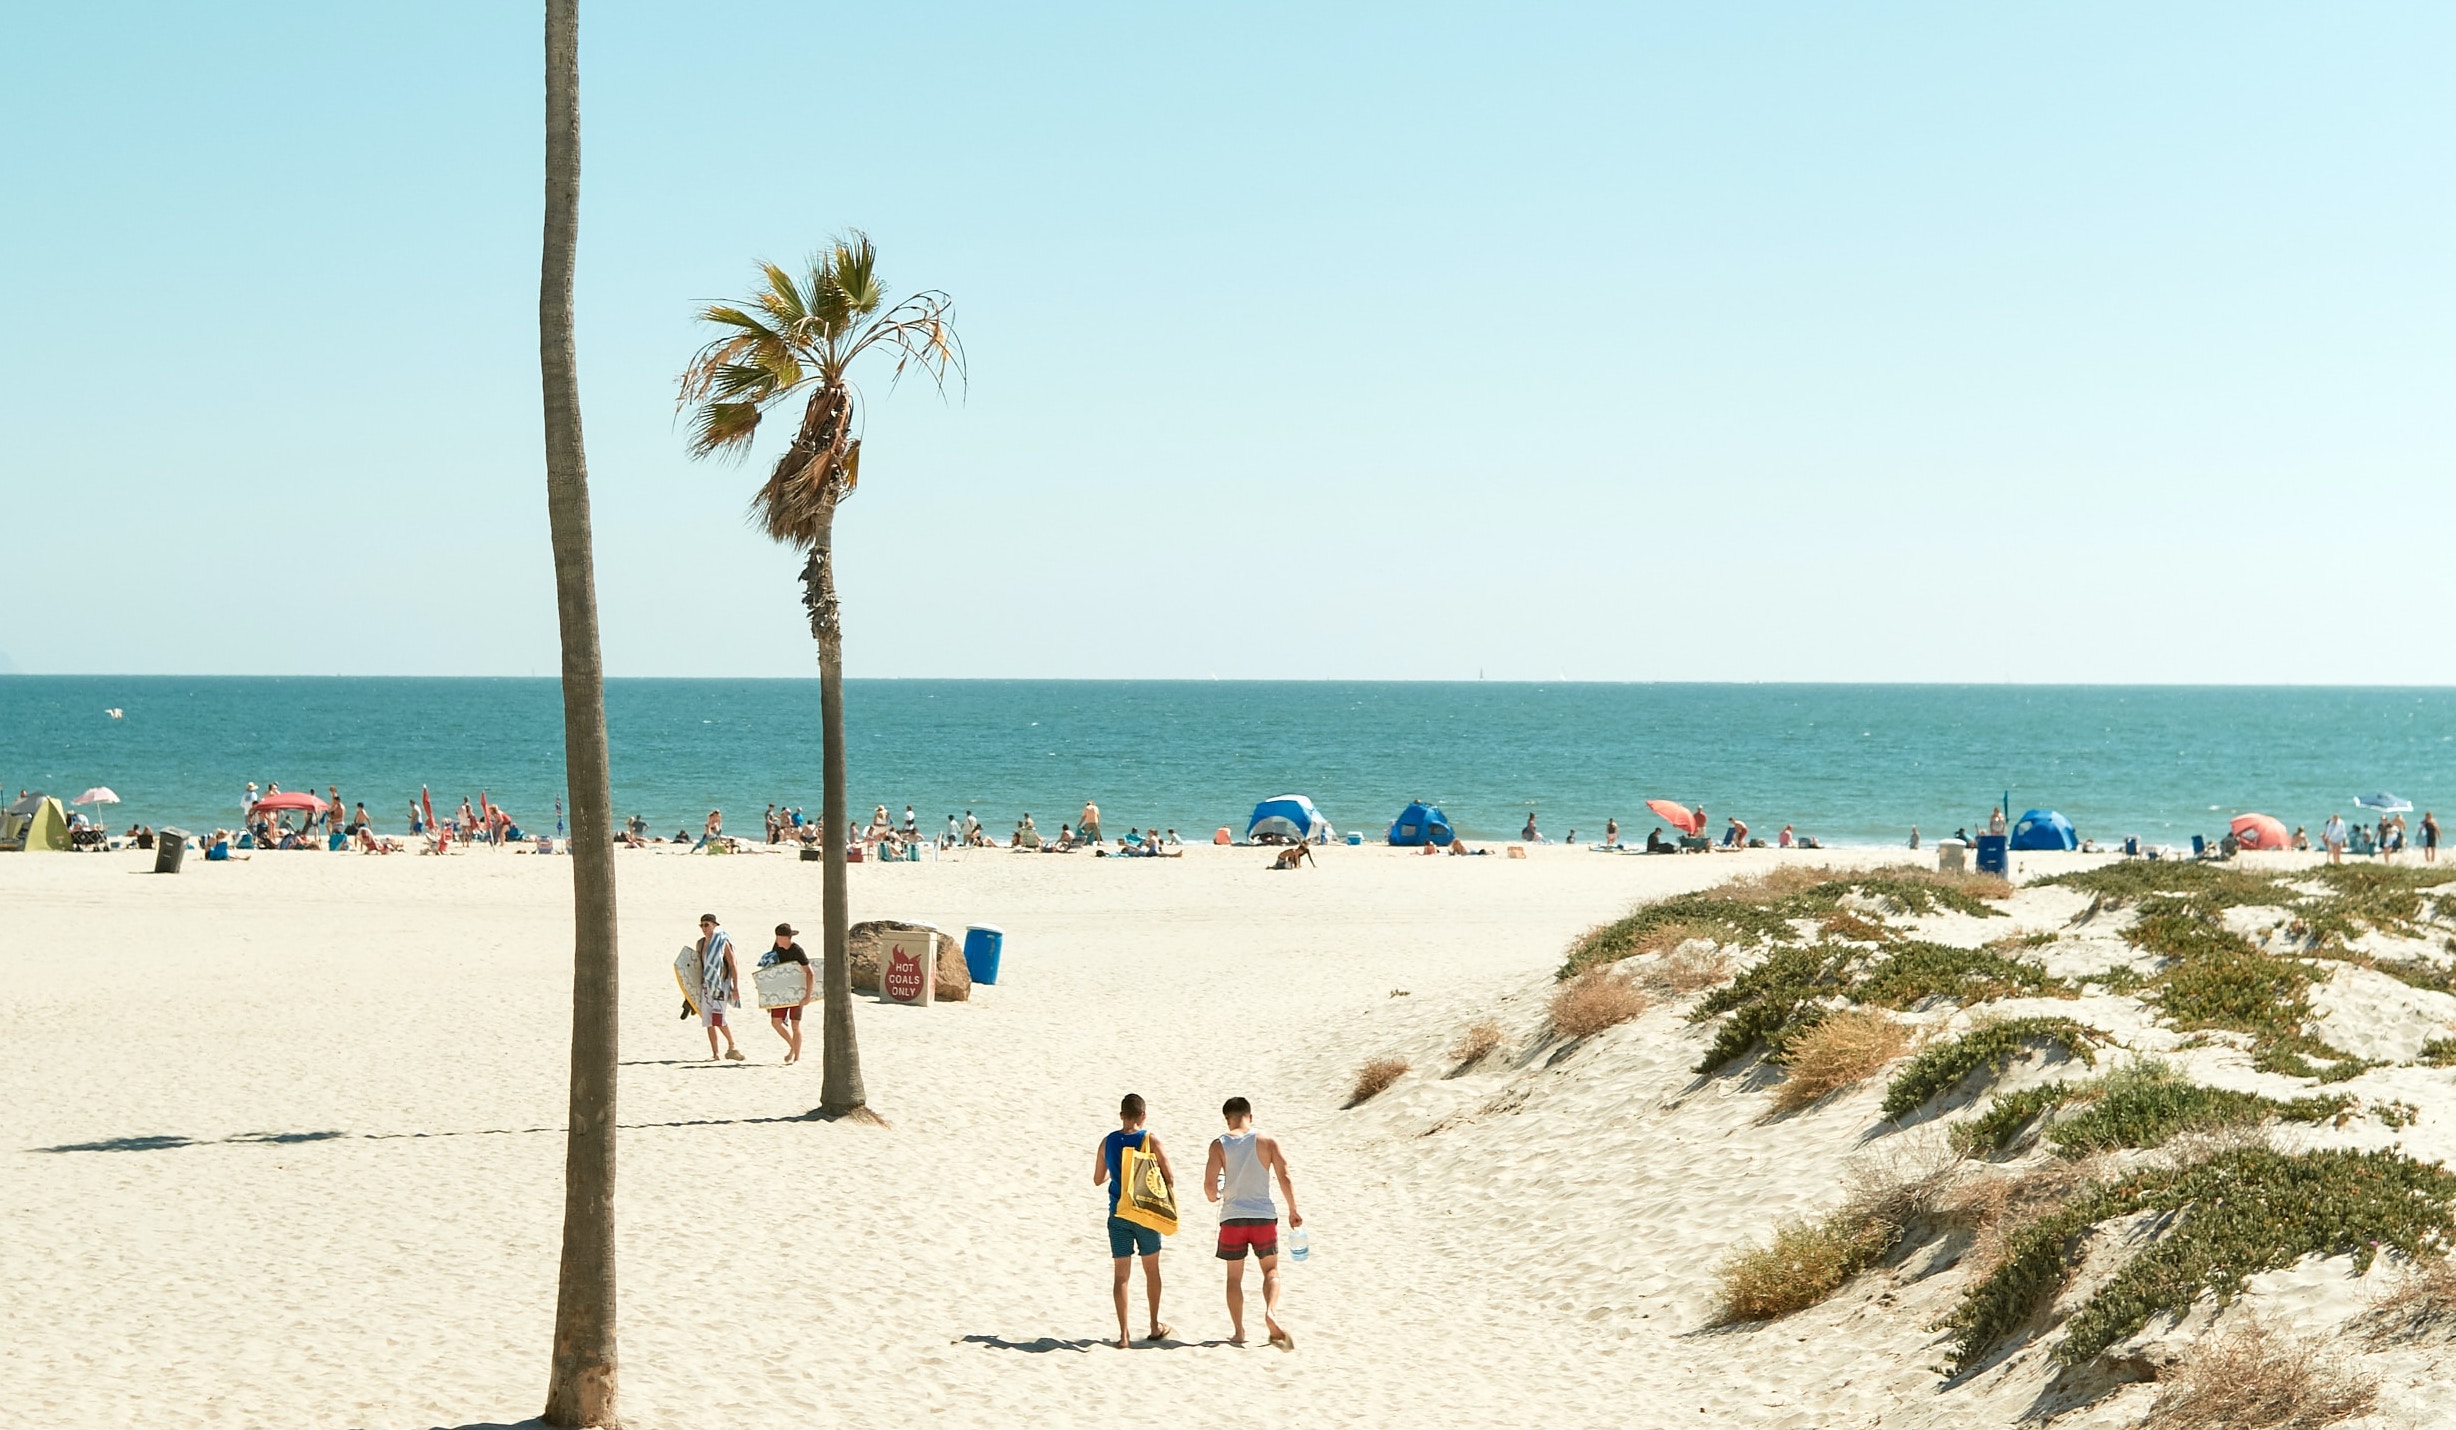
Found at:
[2332, 838]
[787, 1021]
[2430, 838]
[1128, 1240]
[719, 978]
[1238, 1177]
[1914, 836]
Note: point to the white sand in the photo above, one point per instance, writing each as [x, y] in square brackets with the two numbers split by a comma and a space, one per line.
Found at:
[1542, 1259]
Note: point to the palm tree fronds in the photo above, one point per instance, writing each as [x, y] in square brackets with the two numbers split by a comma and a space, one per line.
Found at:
[921, 330]
[782, 300]
[727, 427]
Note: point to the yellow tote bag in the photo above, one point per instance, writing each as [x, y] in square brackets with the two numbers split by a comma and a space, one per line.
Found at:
[1143, 1197]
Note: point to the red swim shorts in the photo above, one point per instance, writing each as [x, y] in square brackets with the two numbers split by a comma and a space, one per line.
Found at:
[785, 1015]
[1238, 1233]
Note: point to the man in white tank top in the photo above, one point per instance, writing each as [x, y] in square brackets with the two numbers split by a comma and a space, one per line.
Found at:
[1238, 1177]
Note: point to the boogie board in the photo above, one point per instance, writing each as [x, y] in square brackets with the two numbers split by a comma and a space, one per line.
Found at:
[686, 973]
[785, 985]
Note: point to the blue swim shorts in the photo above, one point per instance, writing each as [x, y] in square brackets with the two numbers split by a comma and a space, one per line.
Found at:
[1129, 1239]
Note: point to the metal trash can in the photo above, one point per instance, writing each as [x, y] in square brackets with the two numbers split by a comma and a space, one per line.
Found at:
[983, 943]
[1992, 858]
[169, 846]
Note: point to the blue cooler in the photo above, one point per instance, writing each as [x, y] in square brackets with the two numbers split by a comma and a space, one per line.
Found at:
[982, 945]
[1991, 857]
[1355, 839]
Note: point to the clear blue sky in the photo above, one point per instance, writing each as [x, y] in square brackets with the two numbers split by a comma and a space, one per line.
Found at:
[1910, 342]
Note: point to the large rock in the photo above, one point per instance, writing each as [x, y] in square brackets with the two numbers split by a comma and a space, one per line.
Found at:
[861, 945]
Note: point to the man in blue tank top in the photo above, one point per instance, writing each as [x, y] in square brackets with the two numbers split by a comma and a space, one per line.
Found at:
[1127, 1239]
[1238, 1177]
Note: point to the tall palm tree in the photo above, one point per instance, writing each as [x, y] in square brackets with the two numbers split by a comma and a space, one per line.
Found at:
[800, 338]
[581, 1387]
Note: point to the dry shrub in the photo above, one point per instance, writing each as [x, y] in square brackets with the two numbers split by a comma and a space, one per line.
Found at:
[2422, 1304]
[1905, 1180]
[2251, 1377]
[1843, 1050]
[1593, 1001]
[1692, 965]
[1996, 1208]
[1375, 1077]
[1809, 1261]
[1851, 928]
[1476, 1043]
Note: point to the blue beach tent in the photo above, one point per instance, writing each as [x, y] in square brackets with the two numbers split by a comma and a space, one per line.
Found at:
[1290, 816]
[1420, 824]
[2043, 829]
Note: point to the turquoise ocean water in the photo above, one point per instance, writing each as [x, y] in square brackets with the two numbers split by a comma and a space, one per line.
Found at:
[1855, 764]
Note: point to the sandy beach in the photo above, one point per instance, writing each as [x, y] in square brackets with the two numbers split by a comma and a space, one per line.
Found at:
[316, 1105]
[285, 1150]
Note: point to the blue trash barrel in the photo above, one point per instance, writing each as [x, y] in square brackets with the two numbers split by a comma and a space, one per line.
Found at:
[982, 945]
[1991, 858]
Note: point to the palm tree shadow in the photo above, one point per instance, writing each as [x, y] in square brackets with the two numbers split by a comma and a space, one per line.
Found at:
[1045, 1344]
[1041, 1346]
[173, 1142]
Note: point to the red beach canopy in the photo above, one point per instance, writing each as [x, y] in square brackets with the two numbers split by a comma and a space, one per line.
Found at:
[1677, 816]
[2260, 831]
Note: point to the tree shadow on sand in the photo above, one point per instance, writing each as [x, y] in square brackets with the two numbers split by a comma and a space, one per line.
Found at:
[1080, 1345]
[165, 1143]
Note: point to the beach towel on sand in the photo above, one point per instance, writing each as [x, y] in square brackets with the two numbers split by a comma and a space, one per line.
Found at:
[1143, 1195]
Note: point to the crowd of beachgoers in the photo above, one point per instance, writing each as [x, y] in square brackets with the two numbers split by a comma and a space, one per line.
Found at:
[884, 838]
[272, 818]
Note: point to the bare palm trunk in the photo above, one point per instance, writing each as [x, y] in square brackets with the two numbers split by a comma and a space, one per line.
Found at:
[582, 1384]
[840, 1089]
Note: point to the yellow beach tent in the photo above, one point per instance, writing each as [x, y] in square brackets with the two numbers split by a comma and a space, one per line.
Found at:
[47, 828]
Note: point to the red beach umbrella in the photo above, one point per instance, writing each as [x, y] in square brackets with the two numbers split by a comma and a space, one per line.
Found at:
[2260, 831]
[291, 799]
[1677, 816]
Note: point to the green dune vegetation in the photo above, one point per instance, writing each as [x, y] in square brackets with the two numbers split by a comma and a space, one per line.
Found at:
[2028, 1173]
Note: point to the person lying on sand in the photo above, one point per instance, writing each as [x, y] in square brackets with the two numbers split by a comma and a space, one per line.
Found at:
[1238, 1175]
[1128, 1240]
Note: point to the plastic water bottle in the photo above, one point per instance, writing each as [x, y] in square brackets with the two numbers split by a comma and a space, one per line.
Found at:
[1299, 1244]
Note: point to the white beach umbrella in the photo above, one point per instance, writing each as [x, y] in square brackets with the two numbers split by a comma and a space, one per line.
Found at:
[99, 794]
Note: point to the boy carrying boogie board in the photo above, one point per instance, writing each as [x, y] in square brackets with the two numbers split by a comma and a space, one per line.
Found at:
[1142, 1208]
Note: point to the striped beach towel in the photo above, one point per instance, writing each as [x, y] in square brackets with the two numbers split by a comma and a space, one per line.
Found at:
[713, 980]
